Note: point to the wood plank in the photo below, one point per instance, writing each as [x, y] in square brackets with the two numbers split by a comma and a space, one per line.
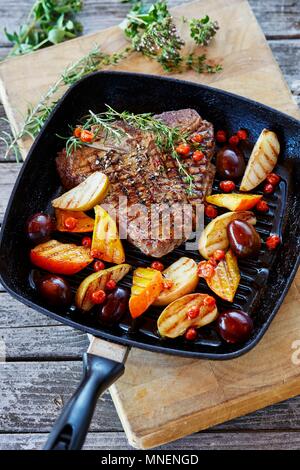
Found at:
[8, 175]
[202, 441]
[15, 315]
[33, 393]
[278, 18]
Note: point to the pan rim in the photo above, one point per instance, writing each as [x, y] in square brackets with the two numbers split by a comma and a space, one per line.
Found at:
[122, 340]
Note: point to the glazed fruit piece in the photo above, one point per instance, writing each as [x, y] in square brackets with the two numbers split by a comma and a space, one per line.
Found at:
[147, 284]
[83, 223]
[183, 277]
[39, 227]
[96, 282]
[115, 306]
[235, 326]
[106, 244]
[60, 258]
[243, 239]
[86, 195]
[262, 160]
[235, 202]
[214, 236]
[55, 290]
[176, 318]
[230, 163]
[226, 277]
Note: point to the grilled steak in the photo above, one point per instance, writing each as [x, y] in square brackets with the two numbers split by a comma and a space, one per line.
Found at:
[149, 179]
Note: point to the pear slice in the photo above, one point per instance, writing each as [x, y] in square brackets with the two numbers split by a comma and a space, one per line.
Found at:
[86, 195]
[235, 201]
[262, 160]
[97, 281]
[106, 244]
[184, 279]
[226, 278]
[174, 320]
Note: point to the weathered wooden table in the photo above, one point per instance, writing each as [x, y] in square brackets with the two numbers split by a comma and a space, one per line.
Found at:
[43, 363]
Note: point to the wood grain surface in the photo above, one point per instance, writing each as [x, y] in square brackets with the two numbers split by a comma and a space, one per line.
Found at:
[52, 377]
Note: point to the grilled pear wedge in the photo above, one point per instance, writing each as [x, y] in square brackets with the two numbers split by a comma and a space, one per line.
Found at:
[83, 224]
[174, 320]
[97, 281]
[106, 244]
[226, 278]
[183, 278]
[86, 195]
[262, 160]
[60, 258]
[235, 201]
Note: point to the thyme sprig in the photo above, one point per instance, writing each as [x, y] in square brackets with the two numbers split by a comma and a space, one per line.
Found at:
[37, 115]
[199, 64]
[153, 33]
[166, 138]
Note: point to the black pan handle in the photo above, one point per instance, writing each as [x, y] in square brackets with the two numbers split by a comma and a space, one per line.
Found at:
[70, 429]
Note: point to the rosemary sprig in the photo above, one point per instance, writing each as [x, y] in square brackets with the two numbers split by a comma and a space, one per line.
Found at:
[37, 115]
[166, 137]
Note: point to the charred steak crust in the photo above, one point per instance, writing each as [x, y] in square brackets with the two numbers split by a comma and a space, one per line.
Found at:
[137, 169]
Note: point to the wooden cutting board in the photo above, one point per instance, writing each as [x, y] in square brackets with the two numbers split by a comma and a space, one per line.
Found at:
[162, 398]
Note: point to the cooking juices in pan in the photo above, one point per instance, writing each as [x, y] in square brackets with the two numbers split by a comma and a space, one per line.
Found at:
[234, 324]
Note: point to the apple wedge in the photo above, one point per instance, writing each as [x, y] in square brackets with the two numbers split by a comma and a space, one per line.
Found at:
[262, 160]
[97, 281]
[175, 320]
[214, 236]
[226, 278]
[234, 201]
[147, 284]
[60, 258]
[106, 244]
[84, 196]
[184, 279]
[84, 223]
